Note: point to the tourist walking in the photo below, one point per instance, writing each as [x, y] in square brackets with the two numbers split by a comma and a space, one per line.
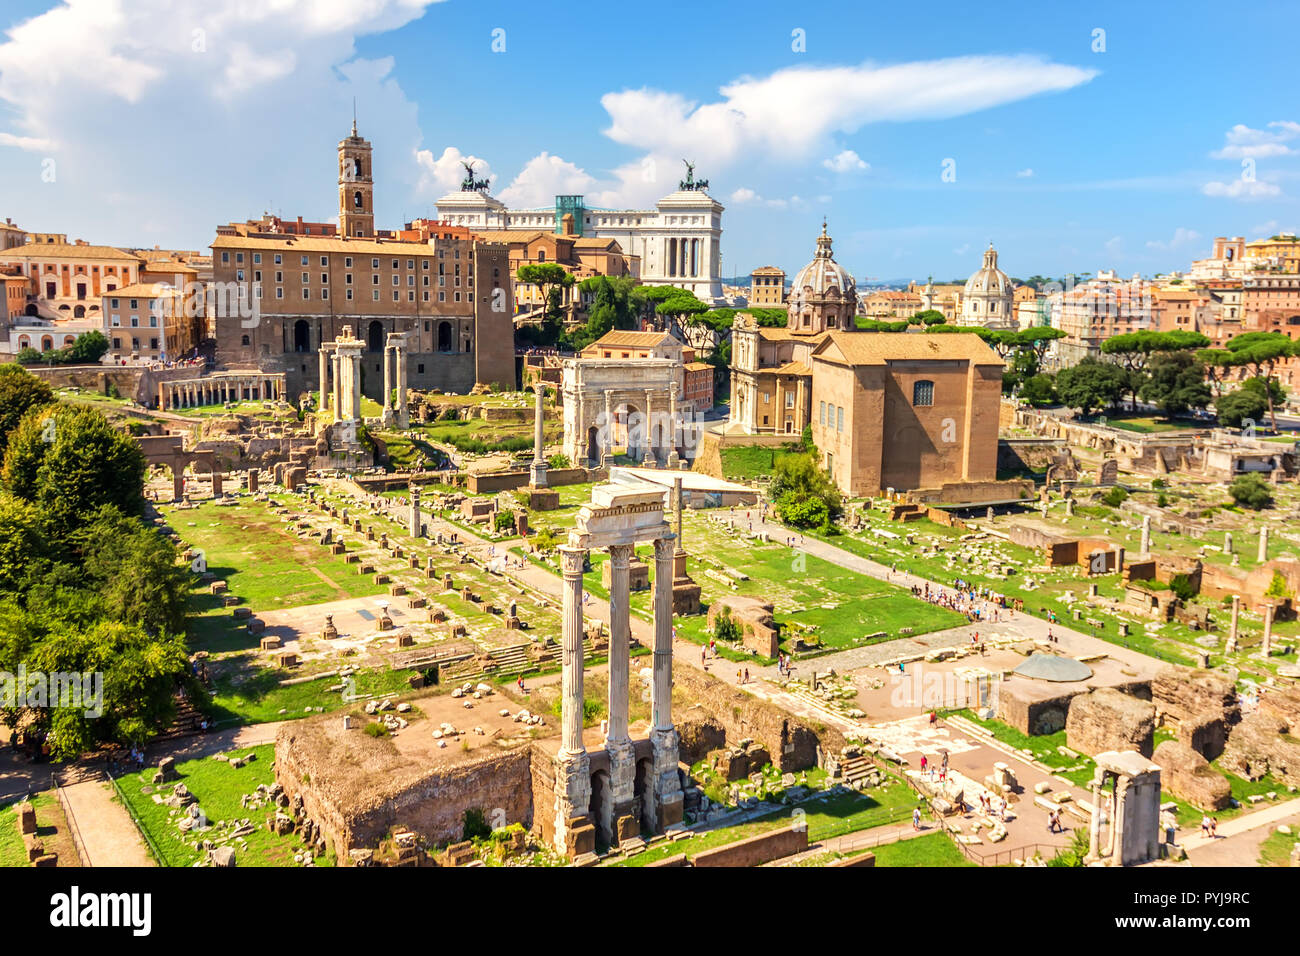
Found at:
[916, 818]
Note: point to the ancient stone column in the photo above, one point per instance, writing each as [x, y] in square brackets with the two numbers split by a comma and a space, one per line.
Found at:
[1232, 635]
[648, 459]
[252, 481]
[674, 461]
[537, 474]
[1146, 534]
[1267, 648]
[1263, 546]
[572, 765]
[622, 758]
[1094, 823]
[607, 445]
[571, 564]
[355, 374]
[413, 527]
[336, 404]
[324, 381]
[403, 408]
[663, 736]
[386, 416]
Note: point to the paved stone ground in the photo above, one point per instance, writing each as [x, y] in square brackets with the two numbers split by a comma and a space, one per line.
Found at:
[1238, 840]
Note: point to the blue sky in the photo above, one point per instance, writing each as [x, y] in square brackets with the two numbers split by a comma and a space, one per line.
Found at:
[161, 119]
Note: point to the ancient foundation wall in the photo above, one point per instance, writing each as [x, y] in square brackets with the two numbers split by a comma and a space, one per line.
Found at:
[757, 850]
[793, 744]
[492, 482]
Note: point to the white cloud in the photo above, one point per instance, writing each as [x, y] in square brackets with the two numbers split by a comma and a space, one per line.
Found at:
[846, 161]
[743, 195]
[1024, 173]
[542, 179]
[1242, 142]
[794, 113]
[1181, 237]
[1114, 246]
[1242, 189]
[445, 174]
[166, 117]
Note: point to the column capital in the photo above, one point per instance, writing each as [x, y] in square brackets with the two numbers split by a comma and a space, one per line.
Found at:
[664, 546]
[620, 556]
[572, 560]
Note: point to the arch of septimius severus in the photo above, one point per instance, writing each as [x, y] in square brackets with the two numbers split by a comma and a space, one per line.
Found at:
[626, 785]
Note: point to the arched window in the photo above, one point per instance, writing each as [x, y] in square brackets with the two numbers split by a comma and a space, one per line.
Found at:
[356, 168]
[922, 393]
[47, 343]
[356, 199]
[79, 312]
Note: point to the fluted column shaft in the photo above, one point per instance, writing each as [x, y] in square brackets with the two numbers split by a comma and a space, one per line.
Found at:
[571, 562]
[620, 558]
[662, 717]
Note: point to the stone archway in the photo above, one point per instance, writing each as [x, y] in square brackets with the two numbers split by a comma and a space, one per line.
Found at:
[643, 795]
[593, 444]
[375, 337]
[602, 808]
[302, 336]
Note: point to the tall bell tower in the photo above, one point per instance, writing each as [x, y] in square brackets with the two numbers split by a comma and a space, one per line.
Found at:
[356, 187]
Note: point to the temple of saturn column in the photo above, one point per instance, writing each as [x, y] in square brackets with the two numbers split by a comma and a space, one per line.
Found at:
[626, 785]
[343, 398]
[537, 472]
[634, 403]
[220, 388]
[395, 413]
[1131, 807]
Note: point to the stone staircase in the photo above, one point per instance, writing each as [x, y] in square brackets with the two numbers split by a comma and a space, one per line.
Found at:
[187, 720]
[855, 770]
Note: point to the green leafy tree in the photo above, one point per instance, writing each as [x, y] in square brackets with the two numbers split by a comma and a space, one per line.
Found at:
[1239, 406]
[20, 392]
[1261, 352]
[135, 571]
[1251, 491]
[1039, 390]
[1175, 383]
[928, 317]
[24, 549]
[88, 348]
[797, 480]
[1092, 385]
[70, 462]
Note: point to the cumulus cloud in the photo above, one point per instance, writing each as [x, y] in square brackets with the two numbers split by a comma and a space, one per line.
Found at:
[1181, 237]
[1242, 189]
[168, 109]
[444, 174]
[1024, 173]
[796, 112]
[1242, 142]
[542, 179]
[846, 161]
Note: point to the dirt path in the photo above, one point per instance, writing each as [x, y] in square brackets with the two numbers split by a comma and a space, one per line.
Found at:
[108, 834]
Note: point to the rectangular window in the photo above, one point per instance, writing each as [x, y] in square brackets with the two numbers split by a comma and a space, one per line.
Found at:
[279, 293]
[821, 414]
[324, 260]
[923, 393]
[257, 275]
[306, 277]
[324, 278]
[374, 295]
[347, 262]
[374, 263]
[789, 399]
[304, 260]
[767, 397]
[347, 279]
[839, 419]
[225, 257]
[279, 276]
[306, 294]
[324, 293]
[257, 258]
[349, 295]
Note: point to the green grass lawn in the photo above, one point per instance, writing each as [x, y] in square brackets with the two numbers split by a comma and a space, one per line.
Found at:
[936, 849]
[1276, 849]
[746, 462]
[1149, 424]
[12, 850]
[262, 562]
[827, 817]
[253, 695]
[218, 787]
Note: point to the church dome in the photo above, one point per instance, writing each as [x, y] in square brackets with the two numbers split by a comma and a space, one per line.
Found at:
[989, 280]
[824, 276]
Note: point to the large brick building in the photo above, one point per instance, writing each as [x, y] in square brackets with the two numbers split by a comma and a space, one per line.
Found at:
[906, 410]
[279, 296]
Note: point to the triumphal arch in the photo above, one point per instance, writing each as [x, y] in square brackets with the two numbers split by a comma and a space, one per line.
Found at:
[627, 785]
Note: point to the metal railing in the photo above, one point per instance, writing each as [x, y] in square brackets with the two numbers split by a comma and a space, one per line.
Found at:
[73, 828]
[139, 824]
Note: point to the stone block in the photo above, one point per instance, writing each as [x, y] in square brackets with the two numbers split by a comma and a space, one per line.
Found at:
[1107, 720]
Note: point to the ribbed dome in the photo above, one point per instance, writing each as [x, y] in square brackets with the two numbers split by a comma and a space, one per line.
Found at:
[989, 280]
[823, 274]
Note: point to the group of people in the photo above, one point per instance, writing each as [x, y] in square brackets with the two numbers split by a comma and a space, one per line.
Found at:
[977, 602]
[1209, 826]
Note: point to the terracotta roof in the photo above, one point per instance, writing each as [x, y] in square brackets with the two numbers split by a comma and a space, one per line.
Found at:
[696, 366]
[793, 368]
[322, 244]
[880, 348]
[626, 340]
[513, 235]
[768, 271]
[67, 250]
[140, 290]
[167, 265]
